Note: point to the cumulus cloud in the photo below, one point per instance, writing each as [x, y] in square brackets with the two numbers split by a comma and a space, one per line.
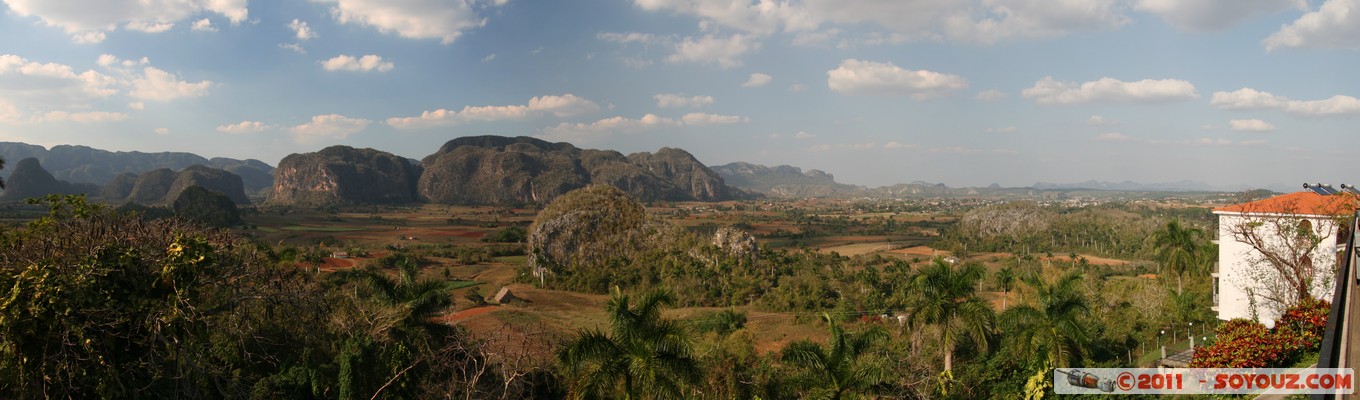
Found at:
[148, 27]
[1096, 120]
[1052, 91]
[202, 25]
[711, 49]
[1113, 137]
[244, 127]
[329, 126]
[618, 124]
[760, 17]
[856, 77]
[630, 37]
[52, 84]
[158, 85]
[701, 119]
[1336, 24]
[413, 19]
[991, 95]
[1214, 15]
[803, 135]
[366, 63]
[301, 30]
[668, 100]
[1250, 125]
[444, 117]
[1252, 99]
[998, 20]
[296, 48]
[87, 20]
[757, 80]
[566, 105]
[162, 131]
[84, 117]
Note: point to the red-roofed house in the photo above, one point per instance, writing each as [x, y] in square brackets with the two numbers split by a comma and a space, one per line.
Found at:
[1251, 234]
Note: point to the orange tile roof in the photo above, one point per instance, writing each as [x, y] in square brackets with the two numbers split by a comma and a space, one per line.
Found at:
[1303, 203]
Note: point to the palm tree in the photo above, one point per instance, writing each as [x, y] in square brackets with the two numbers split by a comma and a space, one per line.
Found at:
[1052, 327]
[418, 299]
[643, 355]
[1178, 248]
[1005, 279]
[839, 368]
[945, 297]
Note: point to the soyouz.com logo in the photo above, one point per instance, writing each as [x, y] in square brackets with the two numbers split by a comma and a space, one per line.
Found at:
[1204, 380]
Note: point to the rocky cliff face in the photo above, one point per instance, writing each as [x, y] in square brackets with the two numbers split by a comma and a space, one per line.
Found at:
[163, 186]
[523, 170]
[783, 180]
[344, 175]
[212, 179]
[29, 179]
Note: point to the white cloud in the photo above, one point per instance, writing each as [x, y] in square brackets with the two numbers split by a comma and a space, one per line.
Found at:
[329, 126]
[1252, 99]
[991, 95]
[1214, 15]
[701, 119]
[88, 37]
[894, 145]
[295, 47]
[244, 127]
[489, 58]
[87, 20]
[667, 100]
[412, 19]
[366, 63]
[106, 60]
[1052, 91]
[443, 117]
[301, 30]
[604, 127]
[710, 49]
[1096, 120]
[758, 16]
[83, 117]
[1336, 24]
[1113, 137]
[162, 131]
[566, 105]
[630, 37]
[608, 126]
[757, 80]
[803, 135]
[149, 27]
[857, 77]
[203, 25]
[1250, 125]
[158, 85]
[1000, 20]
[52, 84]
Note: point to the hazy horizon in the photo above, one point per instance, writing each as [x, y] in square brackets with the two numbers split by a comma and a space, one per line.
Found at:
[965, 92]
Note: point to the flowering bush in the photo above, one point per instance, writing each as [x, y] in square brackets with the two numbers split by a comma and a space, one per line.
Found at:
[1242, 343]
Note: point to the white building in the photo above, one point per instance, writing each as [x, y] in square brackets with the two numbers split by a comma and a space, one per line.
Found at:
[1243, 277]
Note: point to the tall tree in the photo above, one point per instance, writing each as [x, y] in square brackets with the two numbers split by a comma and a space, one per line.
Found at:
[642, 356]
[944, 296]
[1005, 279]
[840, 367]
[1050, 328]
[1178, 249]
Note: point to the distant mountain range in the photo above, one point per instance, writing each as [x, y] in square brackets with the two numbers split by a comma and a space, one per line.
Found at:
[83, 164]
[1181, 186]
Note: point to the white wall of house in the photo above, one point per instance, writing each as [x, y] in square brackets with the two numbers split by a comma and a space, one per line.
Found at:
[1234, 258]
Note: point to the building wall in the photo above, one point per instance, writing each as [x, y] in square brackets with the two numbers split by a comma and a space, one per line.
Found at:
[1234, 266]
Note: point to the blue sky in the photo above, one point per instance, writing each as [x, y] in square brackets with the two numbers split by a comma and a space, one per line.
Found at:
[965, 92]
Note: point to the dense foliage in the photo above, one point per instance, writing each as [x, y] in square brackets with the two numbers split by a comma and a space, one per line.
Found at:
[208, 207]
[1242, 343]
